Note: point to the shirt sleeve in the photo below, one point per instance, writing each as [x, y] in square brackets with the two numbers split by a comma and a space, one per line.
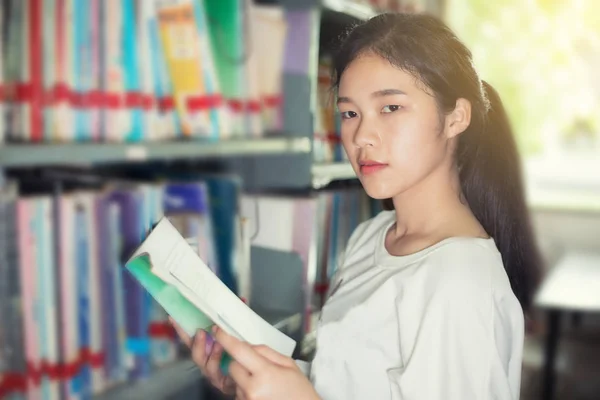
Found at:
[304, 366]
[451, 352]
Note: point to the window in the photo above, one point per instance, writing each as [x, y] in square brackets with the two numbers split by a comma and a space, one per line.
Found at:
[543, 57]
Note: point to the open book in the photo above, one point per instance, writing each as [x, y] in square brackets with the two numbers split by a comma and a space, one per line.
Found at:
[169, 269]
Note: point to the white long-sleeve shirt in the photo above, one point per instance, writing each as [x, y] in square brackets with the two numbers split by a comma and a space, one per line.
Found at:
[440, 324]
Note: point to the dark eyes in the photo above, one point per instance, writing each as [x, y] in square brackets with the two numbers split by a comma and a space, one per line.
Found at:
[348, 114]
[385, 110]
[390, 108]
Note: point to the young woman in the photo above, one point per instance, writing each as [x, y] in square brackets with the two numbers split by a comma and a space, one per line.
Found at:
[429, 301]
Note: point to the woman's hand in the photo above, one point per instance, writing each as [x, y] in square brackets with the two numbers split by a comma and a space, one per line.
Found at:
[261, 373]
[207, 356]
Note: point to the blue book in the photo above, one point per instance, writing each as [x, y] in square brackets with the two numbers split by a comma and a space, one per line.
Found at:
[83, 67]
[131, 71]
[129, 202]
[187, 205]
[224, 193]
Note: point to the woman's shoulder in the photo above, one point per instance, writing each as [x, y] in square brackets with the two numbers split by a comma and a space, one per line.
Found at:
[471, 266]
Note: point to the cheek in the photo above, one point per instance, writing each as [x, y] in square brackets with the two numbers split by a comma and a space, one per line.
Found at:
[408, 141]
[415, 148]
[347, 141]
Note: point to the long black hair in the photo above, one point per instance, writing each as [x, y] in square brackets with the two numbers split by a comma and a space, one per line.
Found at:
[486, 156]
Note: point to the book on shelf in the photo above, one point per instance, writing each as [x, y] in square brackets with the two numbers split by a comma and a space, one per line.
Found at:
[140, 70]
[80, 323]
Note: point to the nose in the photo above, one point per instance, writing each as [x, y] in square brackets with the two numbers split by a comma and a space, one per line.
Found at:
[366, 134]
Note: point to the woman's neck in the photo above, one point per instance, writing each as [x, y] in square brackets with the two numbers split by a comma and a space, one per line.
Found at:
[435, 208]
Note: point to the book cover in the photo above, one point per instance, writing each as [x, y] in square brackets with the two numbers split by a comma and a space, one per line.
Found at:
[117, 118]
[131, 72]
[49, 50]
[13, 384]
[129, 201]
[185, 55]
[46, 285]
[145, 13]
[28, 285]
[228, 37]
[70, 355]
[188, 207]
[167, 122]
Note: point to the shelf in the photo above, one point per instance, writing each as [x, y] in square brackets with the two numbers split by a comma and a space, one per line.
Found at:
[325, 173]
[22, 155]
[183, 375]
[164, 383]
[359, 11]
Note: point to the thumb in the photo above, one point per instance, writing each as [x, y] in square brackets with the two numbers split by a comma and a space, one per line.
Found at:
[274, 356]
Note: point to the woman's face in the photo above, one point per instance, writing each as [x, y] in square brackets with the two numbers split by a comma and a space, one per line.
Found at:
[391, 127]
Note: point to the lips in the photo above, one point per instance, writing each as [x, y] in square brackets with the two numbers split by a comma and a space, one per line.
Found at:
[368, 167]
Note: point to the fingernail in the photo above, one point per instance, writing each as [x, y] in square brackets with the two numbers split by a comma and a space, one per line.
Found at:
[208, 346]
[215, 329]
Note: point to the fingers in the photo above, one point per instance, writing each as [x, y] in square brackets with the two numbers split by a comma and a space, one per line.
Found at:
[199, 354]
[239, 394]
[242, 352]
[239, 374]
[185, 338]
[274, 356]
[229, 385]
[213, 363]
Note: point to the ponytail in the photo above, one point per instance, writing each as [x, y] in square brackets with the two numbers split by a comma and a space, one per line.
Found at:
[491, 179]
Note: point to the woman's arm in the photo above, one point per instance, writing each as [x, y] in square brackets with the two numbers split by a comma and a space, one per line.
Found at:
[466, 344]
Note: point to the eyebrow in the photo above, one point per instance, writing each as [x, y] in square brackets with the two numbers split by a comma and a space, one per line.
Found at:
[378, 93]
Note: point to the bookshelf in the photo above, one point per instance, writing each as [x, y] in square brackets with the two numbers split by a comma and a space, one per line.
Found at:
[22, 155]
[325, 173]
[359, 11]
[180, 379]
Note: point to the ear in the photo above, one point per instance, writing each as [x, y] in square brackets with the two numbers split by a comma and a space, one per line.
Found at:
[459, 119]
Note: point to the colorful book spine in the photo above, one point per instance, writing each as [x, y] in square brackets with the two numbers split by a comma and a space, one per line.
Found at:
[116, 116]
[33, 86]
[70, 341]
[13, 383]
[131, 72]
[29, 290]
[95, 89]
[184, 55]
[49, 40]
[46, 284]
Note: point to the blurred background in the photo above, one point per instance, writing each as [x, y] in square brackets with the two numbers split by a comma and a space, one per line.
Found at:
[218, 115]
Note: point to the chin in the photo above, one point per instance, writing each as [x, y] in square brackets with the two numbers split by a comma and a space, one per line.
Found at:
[378, 191]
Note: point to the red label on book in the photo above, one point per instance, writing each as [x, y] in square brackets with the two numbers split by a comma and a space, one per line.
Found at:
[12, 382]
[133, 100]
[23, 92]
[161, 330]
[199, 103]
[166, 103]
[273, 101]
[113, 100]
[254, 106]
[61, 93]
[236, 105]
[95, 99]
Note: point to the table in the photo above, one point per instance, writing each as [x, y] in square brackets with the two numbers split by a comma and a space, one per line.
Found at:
[572, 286]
